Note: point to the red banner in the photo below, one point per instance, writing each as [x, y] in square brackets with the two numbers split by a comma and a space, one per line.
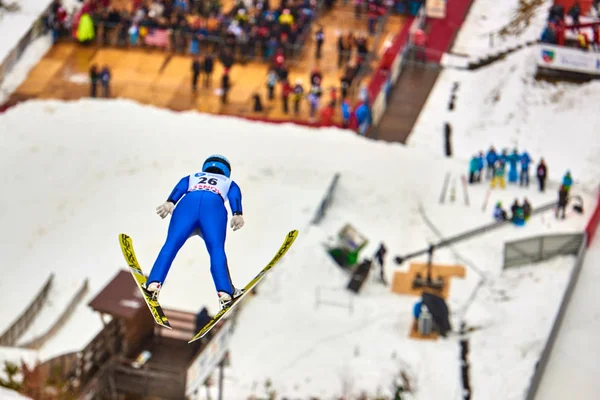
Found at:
[592, 225]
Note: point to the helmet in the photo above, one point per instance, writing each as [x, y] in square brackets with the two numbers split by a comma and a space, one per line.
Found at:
[217, 164]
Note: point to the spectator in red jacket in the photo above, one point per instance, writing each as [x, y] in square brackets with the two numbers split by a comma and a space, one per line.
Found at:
[560, 33]
[420, 42]
[286, 91]
[327, 115]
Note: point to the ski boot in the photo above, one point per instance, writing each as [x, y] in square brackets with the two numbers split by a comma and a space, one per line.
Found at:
[225, 299]
[152, 290]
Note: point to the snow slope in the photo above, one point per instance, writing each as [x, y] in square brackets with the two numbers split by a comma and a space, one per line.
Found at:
[87, 170]
[30, 57]
[347, 346]
[518, 309]
[14, 25]
[327, 351]
[489, 17]
[100, 178]
[572, 370]
[502, 105]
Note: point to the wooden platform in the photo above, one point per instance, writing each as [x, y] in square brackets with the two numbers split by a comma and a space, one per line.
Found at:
[415, 334]
[163, 79]
[402, 281]
[402, 284]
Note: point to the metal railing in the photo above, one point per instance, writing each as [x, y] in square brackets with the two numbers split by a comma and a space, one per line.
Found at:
[539, 248]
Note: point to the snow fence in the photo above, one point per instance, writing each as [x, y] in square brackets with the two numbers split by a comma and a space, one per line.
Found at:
[327, 200]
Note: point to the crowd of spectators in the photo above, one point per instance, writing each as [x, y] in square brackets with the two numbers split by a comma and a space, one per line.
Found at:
[572, 29]
[249, 29]
[243, 30]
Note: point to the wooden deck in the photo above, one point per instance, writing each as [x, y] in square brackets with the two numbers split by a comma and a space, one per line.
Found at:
[163, 79]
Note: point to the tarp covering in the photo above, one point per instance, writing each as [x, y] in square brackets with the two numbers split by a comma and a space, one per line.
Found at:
[439, 310]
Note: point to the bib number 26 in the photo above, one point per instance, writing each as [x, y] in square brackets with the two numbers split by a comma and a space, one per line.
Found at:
[205, 180]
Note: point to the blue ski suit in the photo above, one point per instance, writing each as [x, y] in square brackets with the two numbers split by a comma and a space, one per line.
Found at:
[200, 210]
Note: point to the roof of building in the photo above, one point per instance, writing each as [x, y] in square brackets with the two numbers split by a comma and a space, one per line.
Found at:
[120, 298]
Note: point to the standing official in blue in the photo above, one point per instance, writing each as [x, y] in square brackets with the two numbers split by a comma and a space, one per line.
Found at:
[491, 158]
[201, 211]
[524, 176]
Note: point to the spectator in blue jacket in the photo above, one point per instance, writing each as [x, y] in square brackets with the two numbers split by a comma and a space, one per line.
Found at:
[499, 213]
[363, 116]
[513, 159]
[524, 176]
[480, 165]
[473, 165]
[345, 113]
[567, 181]
[503, 157]
[491, 158]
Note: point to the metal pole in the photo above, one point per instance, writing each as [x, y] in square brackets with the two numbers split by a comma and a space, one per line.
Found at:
[469, 234]
[221, 376]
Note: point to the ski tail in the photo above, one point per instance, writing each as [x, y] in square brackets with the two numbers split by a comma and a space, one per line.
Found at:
[445, 188]
[485, 200]
[140, 279]
[287, 243]
[463, 179]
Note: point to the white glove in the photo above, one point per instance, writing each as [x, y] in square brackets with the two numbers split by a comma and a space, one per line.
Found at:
[237, 221]
[165, 209]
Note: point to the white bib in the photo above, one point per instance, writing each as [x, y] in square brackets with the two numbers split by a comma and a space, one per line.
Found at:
[218, 184]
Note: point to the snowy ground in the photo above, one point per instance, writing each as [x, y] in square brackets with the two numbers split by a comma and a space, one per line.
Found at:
[572, 371]
[324, 362]
[502, 105]
[491, 18]
[14, 25]
[306, 351]
[85, 219]
[16, 356]
[30, 57]
[7, 394]
[342, 335]
[518, 309]
[133, 166]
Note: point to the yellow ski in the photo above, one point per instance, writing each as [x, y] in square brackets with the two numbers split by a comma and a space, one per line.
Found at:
[289, 239]
[138, 276]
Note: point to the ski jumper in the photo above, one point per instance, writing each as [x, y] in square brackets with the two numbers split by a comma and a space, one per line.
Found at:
[200, 210]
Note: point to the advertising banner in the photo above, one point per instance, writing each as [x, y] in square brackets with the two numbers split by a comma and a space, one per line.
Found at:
[209, 358]
[568, 59]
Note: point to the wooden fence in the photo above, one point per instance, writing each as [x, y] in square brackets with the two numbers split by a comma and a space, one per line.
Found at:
[39, 341]
[14, 332]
